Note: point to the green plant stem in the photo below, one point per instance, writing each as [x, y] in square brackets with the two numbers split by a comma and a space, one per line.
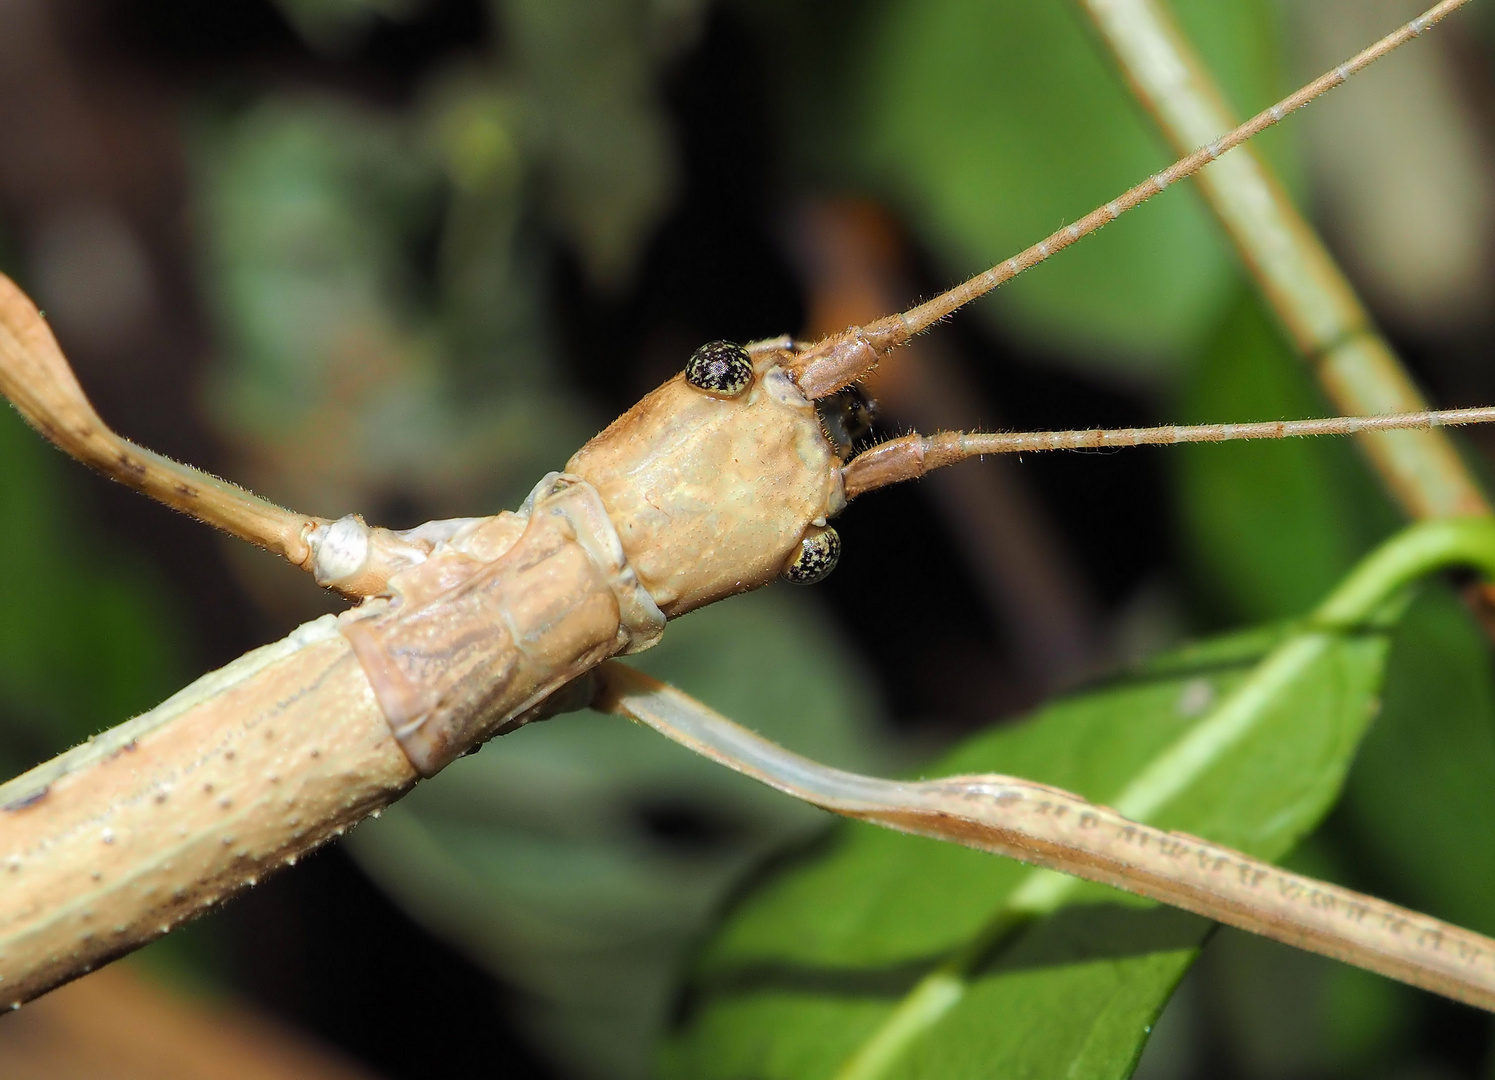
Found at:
[1377, 583]
[1411, 554]
[1331, 328]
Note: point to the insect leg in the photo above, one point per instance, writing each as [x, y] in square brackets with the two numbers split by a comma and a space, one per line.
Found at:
[36, 377]
[1015, 817]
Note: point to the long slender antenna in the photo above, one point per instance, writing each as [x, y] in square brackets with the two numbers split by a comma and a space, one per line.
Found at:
[911, 456]
[841, 359]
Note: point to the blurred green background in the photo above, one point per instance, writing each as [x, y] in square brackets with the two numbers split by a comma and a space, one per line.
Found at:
[402, 257]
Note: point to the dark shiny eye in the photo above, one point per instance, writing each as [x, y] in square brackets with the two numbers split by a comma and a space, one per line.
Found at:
[720, 368]
[816, 557]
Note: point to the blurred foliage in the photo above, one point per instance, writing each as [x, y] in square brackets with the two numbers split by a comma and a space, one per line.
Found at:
[88, 636]
[587, 74]
[348, 380]
[992, 124]
[1370, 151]
[336, 25]
[1256, 558]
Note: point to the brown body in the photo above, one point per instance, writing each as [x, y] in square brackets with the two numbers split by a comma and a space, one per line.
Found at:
[466, 644]
[705, 489]
[152, 823]
[710, 497]
[685, 499]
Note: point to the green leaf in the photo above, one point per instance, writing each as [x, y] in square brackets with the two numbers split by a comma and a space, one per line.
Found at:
[1421, 799]
[86, 638]
[832, 960]
[1414, 826]
[580, 858]
[994, 123]
[1268, 526]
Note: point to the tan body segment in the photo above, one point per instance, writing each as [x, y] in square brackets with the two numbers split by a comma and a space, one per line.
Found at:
[113, 844]
[467, 626]
[710, 497]
[463, 646]
[116, 842]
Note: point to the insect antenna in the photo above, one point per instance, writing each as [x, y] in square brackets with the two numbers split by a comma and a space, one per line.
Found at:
[843, 358]
[911, 456]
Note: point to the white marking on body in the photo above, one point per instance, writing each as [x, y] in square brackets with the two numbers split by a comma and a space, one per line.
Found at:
[341, 550]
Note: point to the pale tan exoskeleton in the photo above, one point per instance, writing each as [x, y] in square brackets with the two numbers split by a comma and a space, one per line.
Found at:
[716, 483]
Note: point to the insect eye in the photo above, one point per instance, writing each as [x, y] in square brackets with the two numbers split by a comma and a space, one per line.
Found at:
[816, 557]
[720, 368]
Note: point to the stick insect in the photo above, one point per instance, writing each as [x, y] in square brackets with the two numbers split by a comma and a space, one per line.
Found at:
[716, 483]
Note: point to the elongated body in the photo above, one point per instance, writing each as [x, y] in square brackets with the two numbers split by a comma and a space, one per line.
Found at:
[153, 822]
[688, 498]
[113, 844]
[714, 484]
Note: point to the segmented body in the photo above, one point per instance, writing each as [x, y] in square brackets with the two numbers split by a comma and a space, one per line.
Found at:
[685, 499]
[716, 483]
